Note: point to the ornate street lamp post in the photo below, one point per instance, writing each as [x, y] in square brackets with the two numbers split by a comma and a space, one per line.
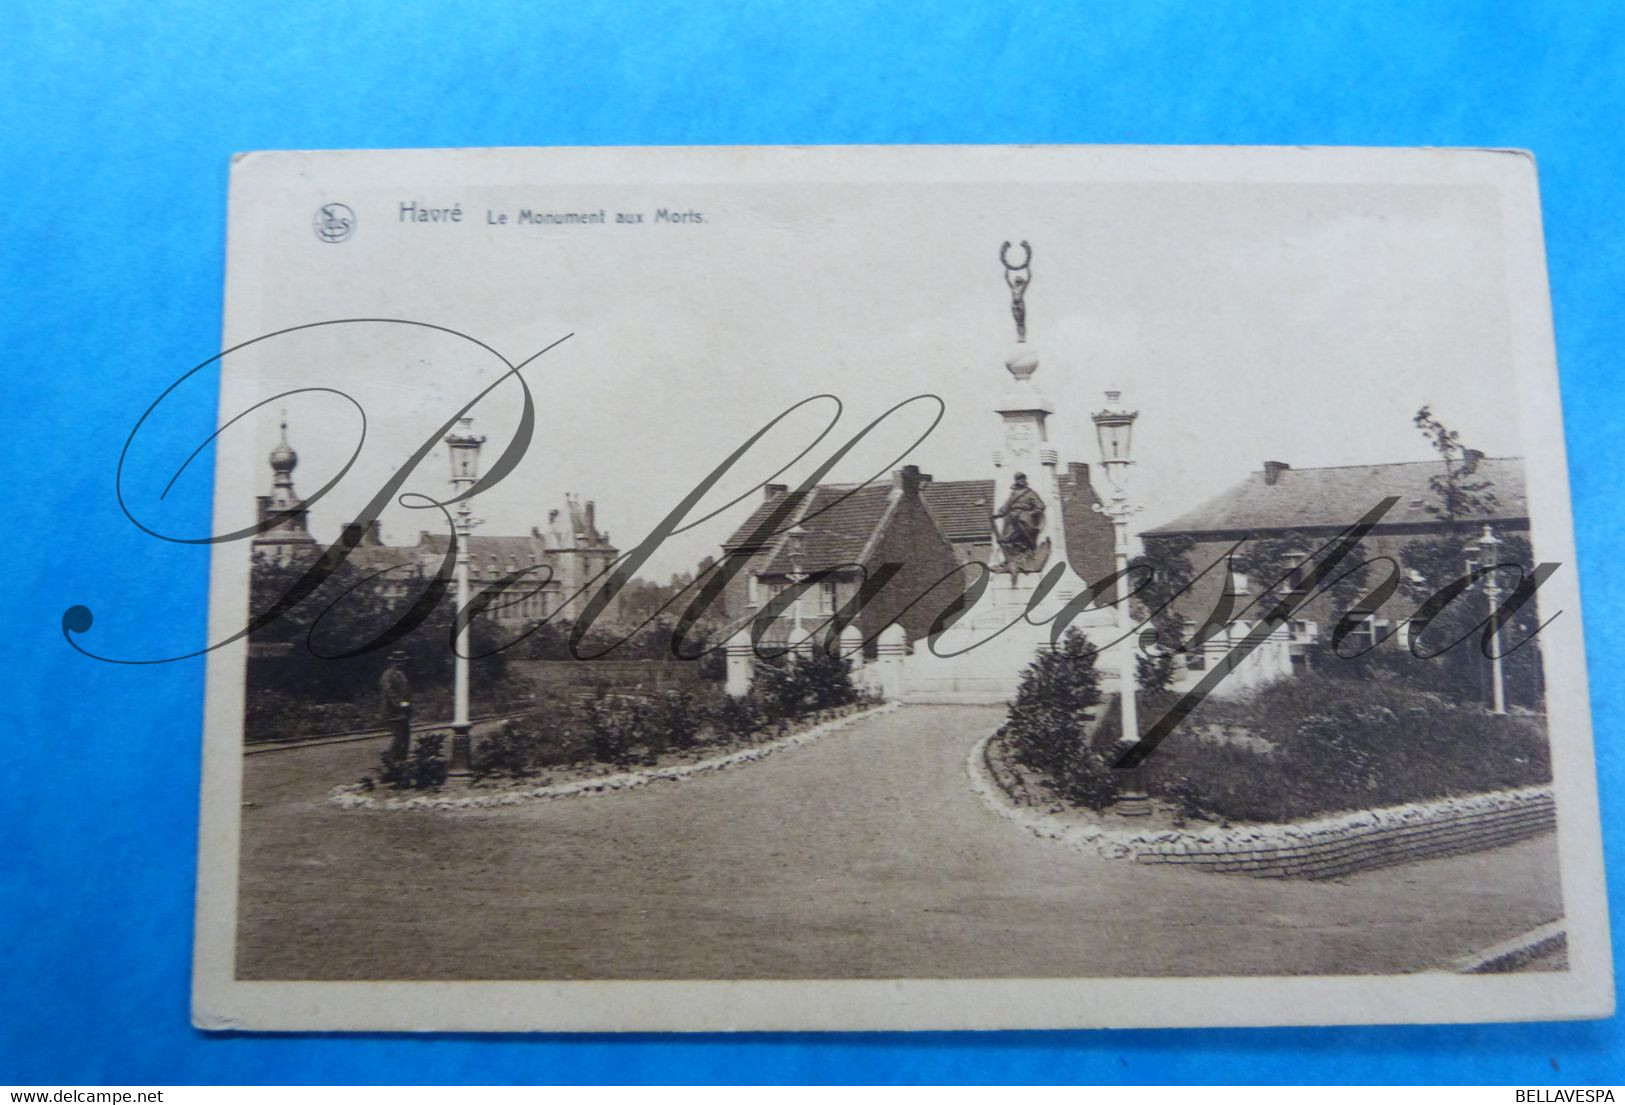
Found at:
[464, 446]
[1115, 428]
[1488, 549]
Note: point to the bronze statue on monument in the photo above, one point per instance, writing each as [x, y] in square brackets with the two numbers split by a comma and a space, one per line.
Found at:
[1018, 277]
[1020, 538]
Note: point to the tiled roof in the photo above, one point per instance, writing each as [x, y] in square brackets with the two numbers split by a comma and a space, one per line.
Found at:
[378, 558]
[841, 518]
[963, 508]
[839, 522]
[747, 535]
[483, 548]
[1305, 497]
[493, 555]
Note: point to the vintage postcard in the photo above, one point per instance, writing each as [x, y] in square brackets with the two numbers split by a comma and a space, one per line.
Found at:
[910, 588]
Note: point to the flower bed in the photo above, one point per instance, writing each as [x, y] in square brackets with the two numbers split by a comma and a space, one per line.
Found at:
[1317, 745]
[1318, 848]
[580, 779]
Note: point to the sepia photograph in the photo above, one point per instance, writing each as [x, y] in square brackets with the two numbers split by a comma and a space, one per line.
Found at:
[890, 588]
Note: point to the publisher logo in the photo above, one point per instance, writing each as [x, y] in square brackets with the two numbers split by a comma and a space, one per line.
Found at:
[335, 222]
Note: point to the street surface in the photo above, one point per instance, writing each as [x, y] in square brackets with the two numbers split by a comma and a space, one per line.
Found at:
[862, 855]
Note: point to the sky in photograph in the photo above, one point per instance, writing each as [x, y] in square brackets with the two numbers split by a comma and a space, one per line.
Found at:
[1300, 322]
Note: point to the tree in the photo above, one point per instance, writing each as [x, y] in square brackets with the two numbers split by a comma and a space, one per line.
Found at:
[1155, 672]
[1461, 671]
[1048, 725]
[1167, 559]
[1280, 565]
[1433, 563]
[306, 641]
[1458, 493]
[307, 661]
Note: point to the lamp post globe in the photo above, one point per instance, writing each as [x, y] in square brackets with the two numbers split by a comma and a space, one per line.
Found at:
[1114, 427]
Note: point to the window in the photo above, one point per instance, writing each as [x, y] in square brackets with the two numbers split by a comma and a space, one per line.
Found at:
[826, 597]
[1235, 581]
[1406, 634]
[1299, 573]
[1367, 634]
[1304, 632]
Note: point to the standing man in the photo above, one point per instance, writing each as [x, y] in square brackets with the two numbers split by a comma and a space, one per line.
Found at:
[395, 694]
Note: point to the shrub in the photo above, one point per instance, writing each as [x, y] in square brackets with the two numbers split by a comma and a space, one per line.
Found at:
[779, 694]
[1156, 671]
[1187, 800]
[427, 763]
[680, 719]
[392, 770]
[1049, 725]
[1341, 745]
[510, 751]
[802, 684]
[616, 726]
[738, 716]
[825, 680]
[421, 768]
[776, 690]
[545, 736]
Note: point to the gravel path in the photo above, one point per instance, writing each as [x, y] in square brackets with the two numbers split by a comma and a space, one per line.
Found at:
[864, 855]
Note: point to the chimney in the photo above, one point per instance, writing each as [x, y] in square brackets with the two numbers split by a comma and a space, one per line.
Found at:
[1273, 470]
[1081, 487]
[592, 517]
[365, 534]
[772, 491]
[910, 479]
[1469, 460]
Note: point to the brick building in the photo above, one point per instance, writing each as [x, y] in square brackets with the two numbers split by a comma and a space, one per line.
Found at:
[907, 535]
[1302, 509]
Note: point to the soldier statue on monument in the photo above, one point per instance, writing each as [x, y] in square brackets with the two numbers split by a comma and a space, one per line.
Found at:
[1023, 517]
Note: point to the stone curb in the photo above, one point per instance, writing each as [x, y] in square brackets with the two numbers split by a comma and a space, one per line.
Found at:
[351, 797]
[1510, 955]
[1297, 835]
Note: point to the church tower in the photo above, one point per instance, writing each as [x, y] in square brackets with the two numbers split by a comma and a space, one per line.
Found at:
[287, 538]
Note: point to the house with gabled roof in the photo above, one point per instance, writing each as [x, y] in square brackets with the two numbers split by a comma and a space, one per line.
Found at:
[876, 540]
[1304, 508]
[1032, 540]
[907, 539]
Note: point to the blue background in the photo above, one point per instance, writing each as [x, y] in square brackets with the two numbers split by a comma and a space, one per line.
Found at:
[117, 123]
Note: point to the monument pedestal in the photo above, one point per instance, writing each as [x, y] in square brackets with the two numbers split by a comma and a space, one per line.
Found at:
[981, 657]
